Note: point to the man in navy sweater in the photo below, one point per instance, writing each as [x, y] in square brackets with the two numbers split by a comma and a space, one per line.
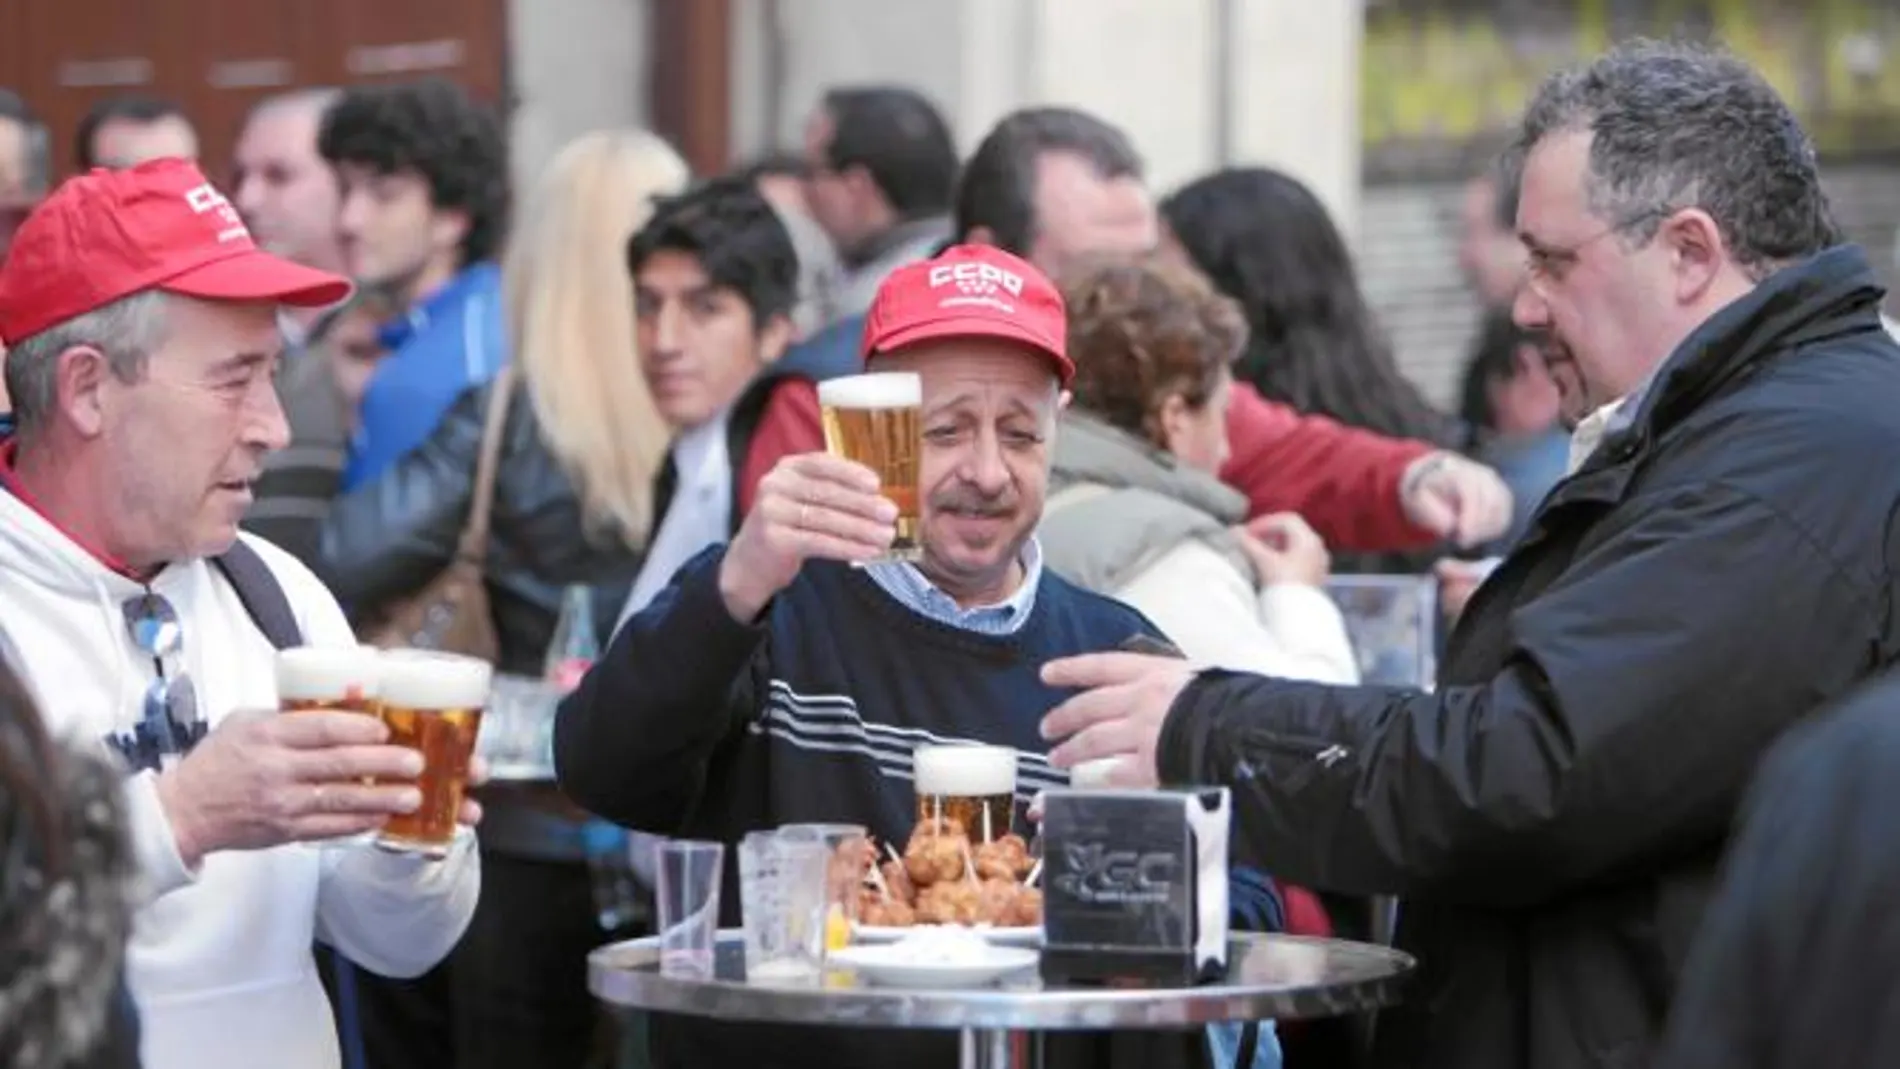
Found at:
[773, 682]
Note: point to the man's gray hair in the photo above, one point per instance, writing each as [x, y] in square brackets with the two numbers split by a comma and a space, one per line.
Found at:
[1685, 126]
[127, 331]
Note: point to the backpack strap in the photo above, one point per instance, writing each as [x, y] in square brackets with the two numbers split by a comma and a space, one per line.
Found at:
[260, 592]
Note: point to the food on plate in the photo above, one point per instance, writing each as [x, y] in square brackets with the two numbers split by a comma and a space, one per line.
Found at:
[942, 879]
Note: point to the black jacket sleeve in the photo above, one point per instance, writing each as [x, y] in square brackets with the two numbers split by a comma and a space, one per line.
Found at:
[633, 742]
[1796, 965]
[388, 539]
[1639, 692]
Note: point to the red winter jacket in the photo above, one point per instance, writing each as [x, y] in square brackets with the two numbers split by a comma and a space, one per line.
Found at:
[1344, 481]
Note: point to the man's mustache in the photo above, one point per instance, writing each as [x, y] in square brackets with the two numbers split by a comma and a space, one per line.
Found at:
[973, 504]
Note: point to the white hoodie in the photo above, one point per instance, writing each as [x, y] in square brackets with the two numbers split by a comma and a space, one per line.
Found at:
[220, 961]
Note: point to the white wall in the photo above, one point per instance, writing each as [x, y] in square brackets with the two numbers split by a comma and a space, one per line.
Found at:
[575, 65]
[786, 53]
[1285, 92]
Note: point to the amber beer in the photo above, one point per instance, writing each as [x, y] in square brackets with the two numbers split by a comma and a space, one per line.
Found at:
[877, 420]
[432, 703]
[345, 678]
[973, 785]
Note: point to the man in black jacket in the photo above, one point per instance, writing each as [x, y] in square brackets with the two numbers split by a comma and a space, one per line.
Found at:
[1722, 564]
[1796, 966]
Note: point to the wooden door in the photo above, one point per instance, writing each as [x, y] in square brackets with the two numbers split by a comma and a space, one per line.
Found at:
[215, 58]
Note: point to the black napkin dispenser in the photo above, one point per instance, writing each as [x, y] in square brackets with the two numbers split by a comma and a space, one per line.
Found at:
[1135, 886]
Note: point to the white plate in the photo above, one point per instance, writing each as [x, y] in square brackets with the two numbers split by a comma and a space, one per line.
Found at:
[1028, 936]
[897, 965]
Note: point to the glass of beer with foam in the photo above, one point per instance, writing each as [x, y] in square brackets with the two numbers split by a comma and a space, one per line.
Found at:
[346, 678]
[970, 784]
[432, 703]
[877, 420]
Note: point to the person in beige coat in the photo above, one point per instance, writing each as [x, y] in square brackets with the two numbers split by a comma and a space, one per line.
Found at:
[1135, 510]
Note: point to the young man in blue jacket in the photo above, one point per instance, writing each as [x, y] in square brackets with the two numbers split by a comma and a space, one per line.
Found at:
[423, 170]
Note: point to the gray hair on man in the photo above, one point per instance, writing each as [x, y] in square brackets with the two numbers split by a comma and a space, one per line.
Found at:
[1676, 126]
[128, 331]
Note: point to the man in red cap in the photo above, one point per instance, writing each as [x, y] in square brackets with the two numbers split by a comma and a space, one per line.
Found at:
[773, 682]
[141, 321]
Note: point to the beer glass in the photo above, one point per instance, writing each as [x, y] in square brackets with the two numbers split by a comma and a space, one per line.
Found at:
[877, 420]
[346, 678]
[432, 703]
[334, 678]
[973, 785]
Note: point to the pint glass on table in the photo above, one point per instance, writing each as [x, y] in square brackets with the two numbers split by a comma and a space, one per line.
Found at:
[346, 678]
[877, 420]
[432, 703]
[972, 785]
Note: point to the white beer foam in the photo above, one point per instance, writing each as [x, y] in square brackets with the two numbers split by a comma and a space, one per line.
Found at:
[425, 679]
[327, 673]
[883, 389]
[964, 771]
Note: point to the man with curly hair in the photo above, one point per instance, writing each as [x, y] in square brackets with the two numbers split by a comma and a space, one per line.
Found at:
[424, 176]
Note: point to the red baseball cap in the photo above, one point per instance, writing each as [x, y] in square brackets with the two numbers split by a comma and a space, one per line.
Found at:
[161, 225]
[970, 291]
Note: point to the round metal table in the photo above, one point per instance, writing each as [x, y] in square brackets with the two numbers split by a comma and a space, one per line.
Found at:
[1268, 976]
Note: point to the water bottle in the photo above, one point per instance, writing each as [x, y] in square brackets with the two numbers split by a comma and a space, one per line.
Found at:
[616, 891]
[574, 649]
[576, 642]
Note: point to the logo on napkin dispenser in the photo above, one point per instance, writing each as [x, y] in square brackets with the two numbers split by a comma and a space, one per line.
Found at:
[1095, 874]
[1136, 886]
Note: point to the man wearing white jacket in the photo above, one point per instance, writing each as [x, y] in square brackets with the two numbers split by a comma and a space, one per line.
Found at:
[141, 323]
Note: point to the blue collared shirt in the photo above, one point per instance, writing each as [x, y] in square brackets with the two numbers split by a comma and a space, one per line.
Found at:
[907, 585]
[443, 346]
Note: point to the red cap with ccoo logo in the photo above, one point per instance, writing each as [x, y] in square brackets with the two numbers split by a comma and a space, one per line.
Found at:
[970, 291]
[161, 225]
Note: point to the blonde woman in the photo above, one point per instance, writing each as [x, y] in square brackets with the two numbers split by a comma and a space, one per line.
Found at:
[581, 446]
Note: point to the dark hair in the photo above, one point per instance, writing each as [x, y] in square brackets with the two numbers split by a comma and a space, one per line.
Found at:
[1678, 126]
[1493, 359]
[900, 139]
[998, 186]
[737, 238]
[1142, 332]
[1503, 180]
[435, 129]
[1268, 242]
[128, 108]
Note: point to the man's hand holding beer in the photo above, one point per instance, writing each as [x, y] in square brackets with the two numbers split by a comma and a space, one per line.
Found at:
[267, 778]
[814, 505]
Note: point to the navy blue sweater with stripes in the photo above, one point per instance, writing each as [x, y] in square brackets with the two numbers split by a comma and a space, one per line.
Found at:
[696, 725]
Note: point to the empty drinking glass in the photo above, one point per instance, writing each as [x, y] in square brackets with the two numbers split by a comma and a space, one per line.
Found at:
[1392, 621]
[847, 847]
[782, 901]
[686, 904]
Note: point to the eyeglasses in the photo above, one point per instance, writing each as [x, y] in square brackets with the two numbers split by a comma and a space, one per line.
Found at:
[169, 723]
[1549, 263]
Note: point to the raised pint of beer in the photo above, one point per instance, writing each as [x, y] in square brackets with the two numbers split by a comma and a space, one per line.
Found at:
[973, 785]
[432, 703]
[877, 420]
[347, 678]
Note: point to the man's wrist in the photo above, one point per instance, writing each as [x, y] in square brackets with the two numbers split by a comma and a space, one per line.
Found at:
[1419, 470]
[743, 603]
[186, 836]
